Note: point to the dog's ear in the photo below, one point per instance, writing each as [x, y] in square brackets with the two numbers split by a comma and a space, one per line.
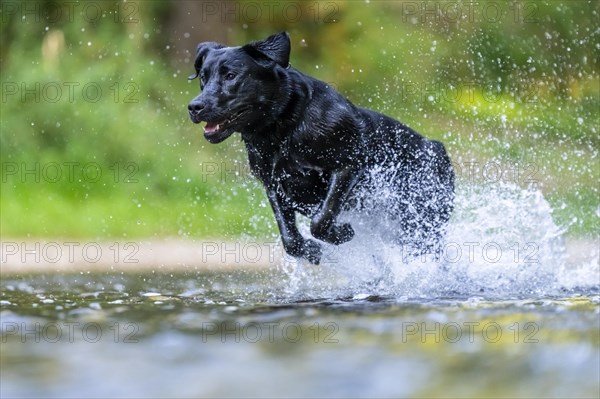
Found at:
[201, 52]
[276, 48]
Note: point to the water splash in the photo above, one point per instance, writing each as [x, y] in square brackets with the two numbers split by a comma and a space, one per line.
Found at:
[501, 243]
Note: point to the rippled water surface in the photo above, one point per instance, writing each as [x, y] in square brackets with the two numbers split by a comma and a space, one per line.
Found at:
[243, 333]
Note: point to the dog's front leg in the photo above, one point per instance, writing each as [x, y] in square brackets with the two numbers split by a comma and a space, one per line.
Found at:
[323, 224]
[293, 242]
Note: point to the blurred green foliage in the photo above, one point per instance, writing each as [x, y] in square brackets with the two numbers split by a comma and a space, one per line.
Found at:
[103, 95]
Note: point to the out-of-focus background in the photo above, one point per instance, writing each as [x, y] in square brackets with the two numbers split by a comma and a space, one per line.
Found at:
[96, 142]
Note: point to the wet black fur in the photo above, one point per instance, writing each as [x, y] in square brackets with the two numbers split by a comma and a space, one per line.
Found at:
[315, 152]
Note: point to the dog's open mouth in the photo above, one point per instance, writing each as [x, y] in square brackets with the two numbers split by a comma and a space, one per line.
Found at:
[215, 132]
[214, 127]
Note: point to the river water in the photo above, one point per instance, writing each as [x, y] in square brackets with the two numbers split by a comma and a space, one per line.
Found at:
[504, 311]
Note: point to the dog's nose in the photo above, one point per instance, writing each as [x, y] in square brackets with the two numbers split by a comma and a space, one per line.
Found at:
[195, 106]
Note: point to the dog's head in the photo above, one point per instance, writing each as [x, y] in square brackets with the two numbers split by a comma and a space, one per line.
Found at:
[238, 85]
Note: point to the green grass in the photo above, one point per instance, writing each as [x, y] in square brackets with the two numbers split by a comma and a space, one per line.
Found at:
[189, 209]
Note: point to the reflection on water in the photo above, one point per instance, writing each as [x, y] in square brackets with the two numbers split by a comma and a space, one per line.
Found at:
[239, 333]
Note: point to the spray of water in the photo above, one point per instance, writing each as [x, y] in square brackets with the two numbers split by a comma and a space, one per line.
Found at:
[501, 243]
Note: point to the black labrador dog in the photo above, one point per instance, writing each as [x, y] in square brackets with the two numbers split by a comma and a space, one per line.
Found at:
[316, 153]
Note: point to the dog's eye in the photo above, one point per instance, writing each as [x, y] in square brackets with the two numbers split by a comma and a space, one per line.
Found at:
[230, 76]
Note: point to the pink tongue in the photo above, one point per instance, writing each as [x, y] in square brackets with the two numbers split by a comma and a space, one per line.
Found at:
[211, 127]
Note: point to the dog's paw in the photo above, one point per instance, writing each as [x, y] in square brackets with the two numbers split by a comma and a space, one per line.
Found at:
[342, 233]
[312, 251]
[307, 249]
[338, 234]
